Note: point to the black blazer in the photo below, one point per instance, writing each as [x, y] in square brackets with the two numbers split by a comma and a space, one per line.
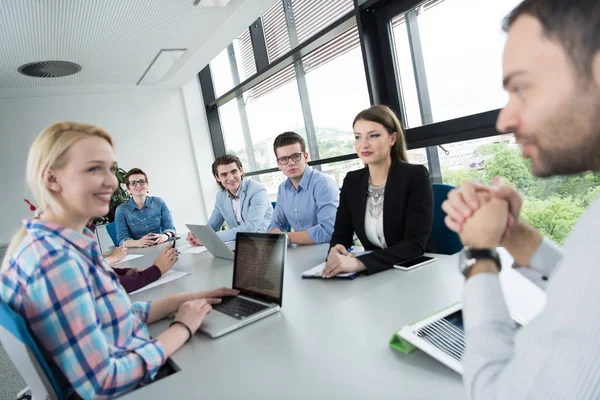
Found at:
[407, 215]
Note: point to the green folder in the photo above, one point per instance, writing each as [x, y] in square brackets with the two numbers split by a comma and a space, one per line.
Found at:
[403, 345]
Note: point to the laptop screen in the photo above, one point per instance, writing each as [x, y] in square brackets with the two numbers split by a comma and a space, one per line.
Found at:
[258, 265]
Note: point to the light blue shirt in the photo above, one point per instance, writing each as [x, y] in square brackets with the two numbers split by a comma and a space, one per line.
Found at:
[133, 223]
[311, 207]
[255, 207]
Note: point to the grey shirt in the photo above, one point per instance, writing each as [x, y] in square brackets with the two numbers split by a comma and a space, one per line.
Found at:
[556, 356]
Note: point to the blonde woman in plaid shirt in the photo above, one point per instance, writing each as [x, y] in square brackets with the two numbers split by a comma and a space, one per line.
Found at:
[94, 338]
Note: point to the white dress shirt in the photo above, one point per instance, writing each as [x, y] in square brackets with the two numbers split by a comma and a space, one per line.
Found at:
[556, 356]
[235, 203]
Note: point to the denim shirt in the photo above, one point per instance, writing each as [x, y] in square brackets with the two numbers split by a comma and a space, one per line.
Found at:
[134, 223]
[311, 207]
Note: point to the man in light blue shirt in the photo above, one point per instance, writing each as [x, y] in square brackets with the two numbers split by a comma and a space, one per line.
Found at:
[243, 203]
[307, 200]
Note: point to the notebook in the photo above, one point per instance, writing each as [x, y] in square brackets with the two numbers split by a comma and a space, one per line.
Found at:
[317, 271]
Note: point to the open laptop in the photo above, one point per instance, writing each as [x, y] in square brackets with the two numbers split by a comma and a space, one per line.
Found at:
[258, 275]
[211, 241]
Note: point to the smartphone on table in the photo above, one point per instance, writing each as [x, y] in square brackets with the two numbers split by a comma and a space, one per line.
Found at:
[414, 263]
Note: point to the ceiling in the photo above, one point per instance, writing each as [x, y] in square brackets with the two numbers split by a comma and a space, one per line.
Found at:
[114, 41]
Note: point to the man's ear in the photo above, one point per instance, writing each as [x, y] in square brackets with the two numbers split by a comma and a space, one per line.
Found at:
[51, 180]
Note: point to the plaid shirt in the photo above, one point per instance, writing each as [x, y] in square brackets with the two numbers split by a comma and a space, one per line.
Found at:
[78, 312]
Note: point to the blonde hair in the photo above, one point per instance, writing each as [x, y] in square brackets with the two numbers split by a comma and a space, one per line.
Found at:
[49, 151]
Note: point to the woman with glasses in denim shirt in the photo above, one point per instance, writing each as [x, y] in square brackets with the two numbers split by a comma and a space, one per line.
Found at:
[143, 220]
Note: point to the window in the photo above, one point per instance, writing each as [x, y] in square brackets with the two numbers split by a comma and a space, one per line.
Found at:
[275, 29]
[266, 110]
[311, 16]
[233, 133]
[244, 56]
[462, 43]
[233, 65]
[221, 73]
[551, 205]
[335, 96]
[272, 180]
[287, 27]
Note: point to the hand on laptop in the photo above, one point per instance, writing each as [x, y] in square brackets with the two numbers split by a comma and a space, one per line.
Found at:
[193, 240]
[214, 296]
[192, 313]
[166, 259]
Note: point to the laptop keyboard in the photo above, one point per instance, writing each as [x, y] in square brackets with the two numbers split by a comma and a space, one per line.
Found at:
[238, 308]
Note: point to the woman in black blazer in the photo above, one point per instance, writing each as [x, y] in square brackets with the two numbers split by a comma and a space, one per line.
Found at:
[389, 203]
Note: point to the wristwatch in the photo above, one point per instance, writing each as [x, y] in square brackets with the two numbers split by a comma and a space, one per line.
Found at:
[470, 256]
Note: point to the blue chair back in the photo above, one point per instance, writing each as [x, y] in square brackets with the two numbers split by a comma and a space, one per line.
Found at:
[111, 229]
[444, 240]
[26, 355]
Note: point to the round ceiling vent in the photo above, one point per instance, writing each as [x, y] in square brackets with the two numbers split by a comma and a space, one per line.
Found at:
[49, 69]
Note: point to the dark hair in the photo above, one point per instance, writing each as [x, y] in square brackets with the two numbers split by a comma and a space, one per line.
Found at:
[573, 23]
[225, 159]
[134, 171]
[385, 116]
[287, 138]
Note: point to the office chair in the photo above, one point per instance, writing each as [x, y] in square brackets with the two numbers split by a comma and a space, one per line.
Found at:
[27, 357]
[443, 239]
[111, 228]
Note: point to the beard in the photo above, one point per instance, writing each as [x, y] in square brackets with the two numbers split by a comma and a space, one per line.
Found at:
[572, 143]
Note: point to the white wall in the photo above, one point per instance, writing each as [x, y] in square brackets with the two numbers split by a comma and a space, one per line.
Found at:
[151, 130]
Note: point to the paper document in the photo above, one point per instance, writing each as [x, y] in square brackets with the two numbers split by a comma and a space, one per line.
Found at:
[129, 257]
[168, 277]
[193, 250]
[317, 272]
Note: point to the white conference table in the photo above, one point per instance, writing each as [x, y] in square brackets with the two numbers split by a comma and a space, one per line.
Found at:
[330, 340]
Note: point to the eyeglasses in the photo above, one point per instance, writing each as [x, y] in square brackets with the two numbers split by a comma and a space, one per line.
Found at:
[285, 159]
[141, 182]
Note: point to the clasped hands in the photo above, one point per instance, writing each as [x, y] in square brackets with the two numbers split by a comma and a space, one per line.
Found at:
[482, 216]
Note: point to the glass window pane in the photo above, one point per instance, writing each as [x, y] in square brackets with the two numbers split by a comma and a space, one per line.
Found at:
[245, 66]
[276, 112]
[462, 43]
[244, 56]
[311, 16]
[276, 33]
[231, 125]
[551, 205]
[272, 181]
[337, 91]
[221, 73]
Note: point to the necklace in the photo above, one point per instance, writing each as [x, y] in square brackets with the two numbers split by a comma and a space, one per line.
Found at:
[375, 200]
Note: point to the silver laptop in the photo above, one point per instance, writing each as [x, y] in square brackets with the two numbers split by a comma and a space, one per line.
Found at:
[211, 241]
[258, 275]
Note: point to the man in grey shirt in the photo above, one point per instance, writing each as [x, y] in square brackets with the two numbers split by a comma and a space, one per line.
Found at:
[552, 74]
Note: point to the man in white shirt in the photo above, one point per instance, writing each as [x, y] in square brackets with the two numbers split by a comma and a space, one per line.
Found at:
[552, 74]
